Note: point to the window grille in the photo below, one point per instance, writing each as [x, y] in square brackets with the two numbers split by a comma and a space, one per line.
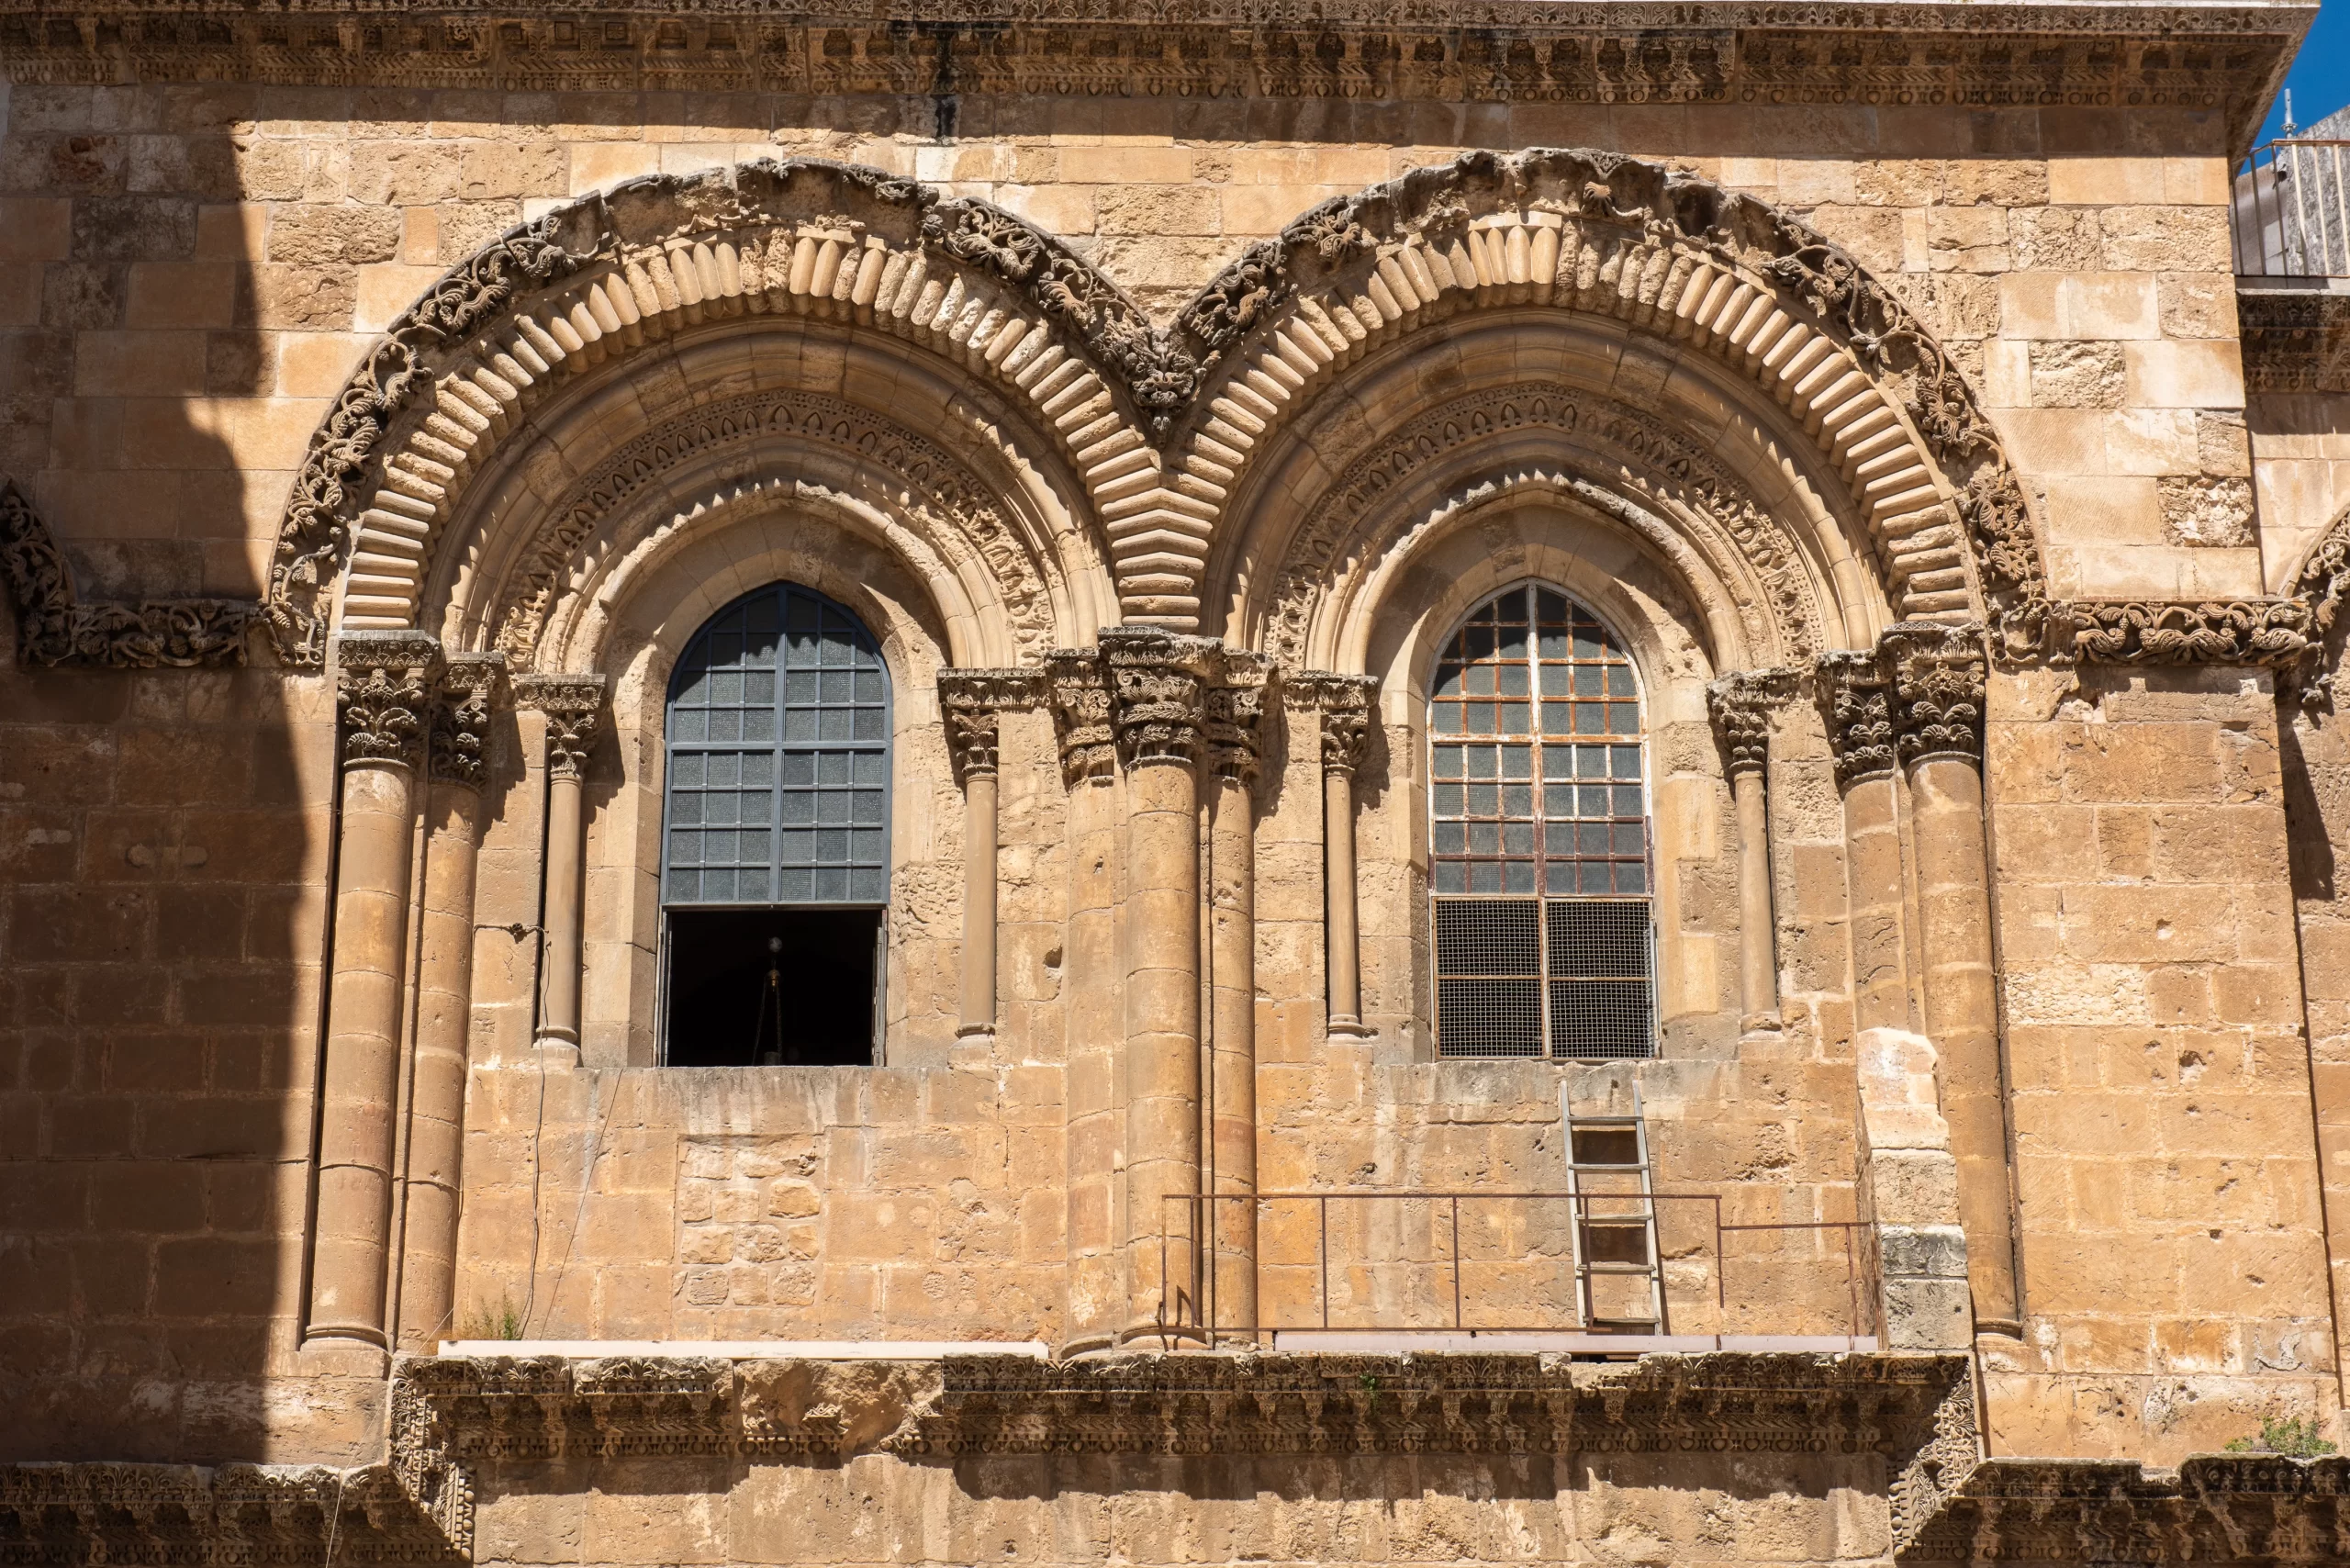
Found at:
[779, 754]
[1539, 860]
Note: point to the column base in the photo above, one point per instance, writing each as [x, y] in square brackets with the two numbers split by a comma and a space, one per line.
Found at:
[976, 1032]
[1761, 1024]
[335, 1353]
[1344, 1027]
[2003, 1328]
[557, 1054]
[1087, 1345]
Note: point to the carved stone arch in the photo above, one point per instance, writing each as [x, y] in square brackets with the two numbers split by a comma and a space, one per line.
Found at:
[611, 273]
[1663, 253]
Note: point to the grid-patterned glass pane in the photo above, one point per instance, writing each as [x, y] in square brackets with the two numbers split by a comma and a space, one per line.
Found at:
[1537, 794]
[779, 757]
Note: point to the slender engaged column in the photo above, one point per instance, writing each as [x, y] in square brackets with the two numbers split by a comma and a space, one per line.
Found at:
[1861, 732]
[383, 681]
[1091, 985]
[1235, 709]
[571, 703]
[1346, 704]
[455, 770]
[972, 701]
[1741, 704]
[1158, 680]
[1939, 679]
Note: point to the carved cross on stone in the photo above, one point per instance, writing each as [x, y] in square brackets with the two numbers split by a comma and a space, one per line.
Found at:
[383, 681]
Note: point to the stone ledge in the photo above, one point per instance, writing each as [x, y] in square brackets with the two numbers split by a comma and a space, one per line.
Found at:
[2225, 1510]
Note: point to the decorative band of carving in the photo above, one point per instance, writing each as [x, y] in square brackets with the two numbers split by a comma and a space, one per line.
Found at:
[1345, 703]
[572, 704]
[1938, 673]
[971, 701]
[2266, 1508]
[1740, 704]
[383, 681]
[470, 688]
[2276, 633]
[1158, 681]
[53, 627]
[1857, 701]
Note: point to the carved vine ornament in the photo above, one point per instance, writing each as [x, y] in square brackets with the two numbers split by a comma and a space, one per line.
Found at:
[1619, 209]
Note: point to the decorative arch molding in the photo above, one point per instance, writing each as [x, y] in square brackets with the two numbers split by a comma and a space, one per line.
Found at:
[605, 275]
[1729, 552]
[922, 500]
[1663, 252]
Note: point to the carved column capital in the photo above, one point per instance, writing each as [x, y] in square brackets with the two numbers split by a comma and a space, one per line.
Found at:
[970, 701]
[469, 689]
[1235, 708]
[572, 704]
[1857, 701]
[1159, 682]
[1740, 704]
[1938, 673]
[383, 681]
[1345, 703]
[1079, 691]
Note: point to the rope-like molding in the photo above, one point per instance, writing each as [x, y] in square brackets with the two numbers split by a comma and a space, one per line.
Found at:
[54, 627]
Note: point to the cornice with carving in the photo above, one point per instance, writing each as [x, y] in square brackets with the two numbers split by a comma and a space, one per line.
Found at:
[384, 689]
[72, 1515]
[1741, 705]
[2214, 1509]
[54, 627]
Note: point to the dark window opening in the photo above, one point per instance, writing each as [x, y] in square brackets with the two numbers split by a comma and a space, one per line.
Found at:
[772, 987]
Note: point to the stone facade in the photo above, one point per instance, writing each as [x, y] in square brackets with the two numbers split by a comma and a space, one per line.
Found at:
[390, 398]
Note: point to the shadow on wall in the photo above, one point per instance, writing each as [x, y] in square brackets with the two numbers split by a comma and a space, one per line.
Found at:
[164, 832]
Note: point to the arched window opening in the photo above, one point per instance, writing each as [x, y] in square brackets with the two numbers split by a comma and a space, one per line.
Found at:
[1540, 870]
[775, 860]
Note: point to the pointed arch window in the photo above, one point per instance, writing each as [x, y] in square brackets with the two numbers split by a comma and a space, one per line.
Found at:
[774, 864]
[1539, 856]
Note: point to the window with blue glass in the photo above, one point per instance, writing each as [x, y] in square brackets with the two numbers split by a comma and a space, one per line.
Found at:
[776, 842]
[1539, 854]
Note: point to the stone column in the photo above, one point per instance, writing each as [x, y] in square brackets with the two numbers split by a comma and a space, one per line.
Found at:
[1235, 709]
[1938, 676]
[572, 704]
[383, 681]
[1741, 704]
[454, 768]
[972, 702]
[1094, 1024]
[1346, 704]
[1157, 681]
[1908, 1178]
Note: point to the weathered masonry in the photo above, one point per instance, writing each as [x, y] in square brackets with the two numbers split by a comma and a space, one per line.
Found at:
[1536, 782]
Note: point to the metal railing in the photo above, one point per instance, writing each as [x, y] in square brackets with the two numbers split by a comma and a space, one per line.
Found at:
[2289, 215]
[1404, 1267]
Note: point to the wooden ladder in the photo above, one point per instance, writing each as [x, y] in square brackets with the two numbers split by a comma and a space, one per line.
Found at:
[1612, 1195]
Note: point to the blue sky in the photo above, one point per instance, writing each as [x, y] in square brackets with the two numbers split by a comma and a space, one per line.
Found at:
[2320, 77]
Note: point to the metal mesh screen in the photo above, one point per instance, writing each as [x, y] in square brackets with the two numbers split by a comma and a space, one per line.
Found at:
[1538, 804]
[779, 757]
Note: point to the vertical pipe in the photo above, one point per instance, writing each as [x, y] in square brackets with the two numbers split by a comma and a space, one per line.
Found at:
[444, 995]
[382, 681]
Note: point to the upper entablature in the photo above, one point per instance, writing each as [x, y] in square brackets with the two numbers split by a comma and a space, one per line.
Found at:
[2225, 58]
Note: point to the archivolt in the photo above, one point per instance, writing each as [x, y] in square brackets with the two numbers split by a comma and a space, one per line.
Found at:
[608, 274]
[1665, 253]
[1488, 443]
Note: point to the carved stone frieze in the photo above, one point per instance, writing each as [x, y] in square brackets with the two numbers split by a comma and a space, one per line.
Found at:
[1938, 673]
[1079, 688]
[54, 627]
[469, 689]
[1741, 705]
[71, 1515]
[2275, 632]
[970, 701]
[572, 704]
[1347, 706]
[1158, 680]
[2232, 1511]
[383, 685]
[1857, 701]
[1235, 709]
[952, 512]
[1639, 456]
